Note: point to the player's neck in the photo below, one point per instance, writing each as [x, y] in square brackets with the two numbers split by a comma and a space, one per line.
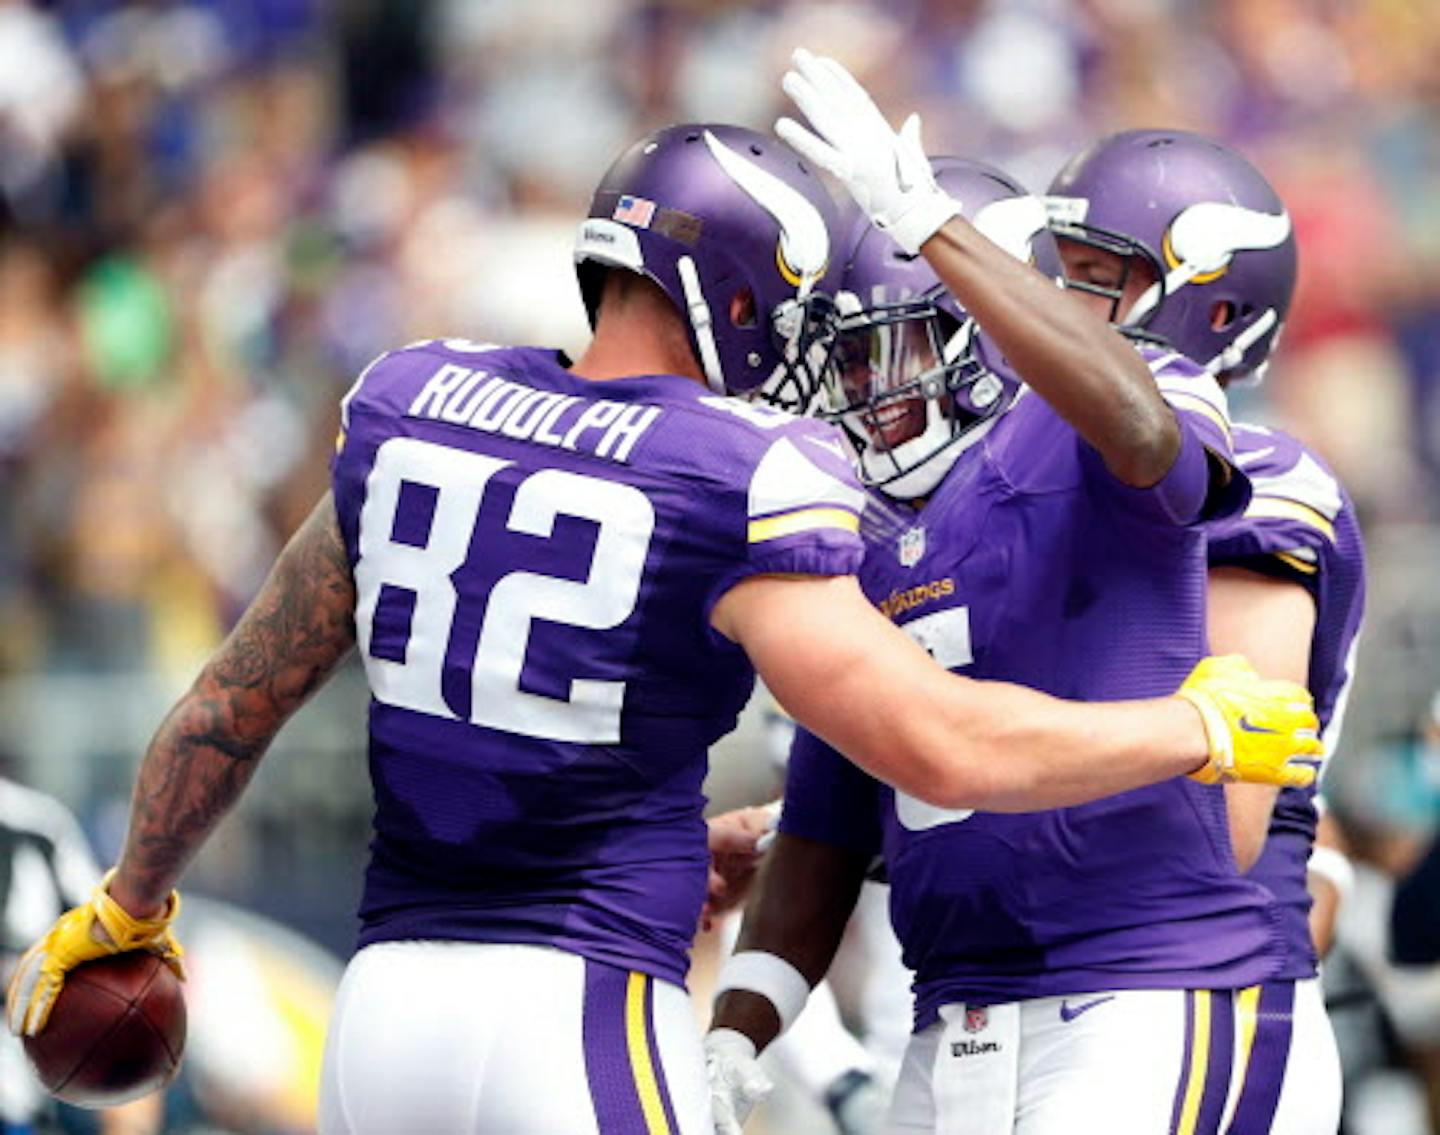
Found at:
[625, 356]
[637, 332]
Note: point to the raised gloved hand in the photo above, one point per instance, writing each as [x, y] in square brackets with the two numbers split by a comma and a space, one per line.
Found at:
[1259, 729]
[886, 171]
[93, 930]
[737, 1082]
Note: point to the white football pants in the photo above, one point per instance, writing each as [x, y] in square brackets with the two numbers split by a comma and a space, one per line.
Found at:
[454, 1038]
[1257, 1061]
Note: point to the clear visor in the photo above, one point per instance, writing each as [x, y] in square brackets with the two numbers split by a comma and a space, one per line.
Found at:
[883, 367]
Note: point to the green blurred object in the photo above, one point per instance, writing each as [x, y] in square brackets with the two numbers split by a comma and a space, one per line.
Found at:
[314, 256]
[126, 323]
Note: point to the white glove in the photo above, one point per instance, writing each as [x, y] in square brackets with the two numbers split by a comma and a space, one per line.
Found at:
[737, 1082]
[886, 172]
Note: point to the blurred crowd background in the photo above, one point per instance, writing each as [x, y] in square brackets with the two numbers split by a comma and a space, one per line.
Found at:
[217, 211]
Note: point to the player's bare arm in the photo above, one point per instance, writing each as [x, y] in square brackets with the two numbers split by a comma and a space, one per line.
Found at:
[792, 931]
[1077, 362]
[294, 634]
[1271, 621]
[803, 899]
[298, 629]
[846, 673]
[1091, 375]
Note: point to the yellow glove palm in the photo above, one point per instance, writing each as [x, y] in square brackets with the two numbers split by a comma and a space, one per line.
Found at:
[76, 939]
[1258, 728]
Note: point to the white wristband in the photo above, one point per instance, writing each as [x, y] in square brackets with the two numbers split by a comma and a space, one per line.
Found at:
[767, 975]
[1333, 866]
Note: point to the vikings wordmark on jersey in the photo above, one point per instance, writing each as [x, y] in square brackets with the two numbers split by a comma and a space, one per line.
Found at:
[1039, 567]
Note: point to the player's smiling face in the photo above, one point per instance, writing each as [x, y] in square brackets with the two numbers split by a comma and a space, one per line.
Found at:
[895, 423]
[881, 359]
[1130, 276]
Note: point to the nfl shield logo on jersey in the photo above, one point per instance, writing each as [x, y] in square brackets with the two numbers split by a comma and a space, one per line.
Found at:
[912, 546]
[976, 1018]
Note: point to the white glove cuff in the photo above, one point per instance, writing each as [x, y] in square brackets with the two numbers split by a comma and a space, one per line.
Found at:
[767, 975]
[925, 217]
[730, 1040]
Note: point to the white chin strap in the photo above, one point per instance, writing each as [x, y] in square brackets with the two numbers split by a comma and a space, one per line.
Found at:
[1176, 279]
[924, 459]
[1233, 355]
[700, 320]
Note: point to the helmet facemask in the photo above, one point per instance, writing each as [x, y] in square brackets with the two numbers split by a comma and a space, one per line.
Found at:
[804, 330]
[906, 383]
[1134, 322]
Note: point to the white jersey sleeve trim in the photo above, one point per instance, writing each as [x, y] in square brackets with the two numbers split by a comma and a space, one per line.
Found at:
[1306, 483]
[790, 493]
[355, 387]
[1197, 392]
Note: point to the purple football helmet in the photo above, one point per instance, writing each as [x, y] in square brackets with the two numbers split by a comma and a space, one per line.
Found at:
[1210, 228]
[912, 379]
[735, 230]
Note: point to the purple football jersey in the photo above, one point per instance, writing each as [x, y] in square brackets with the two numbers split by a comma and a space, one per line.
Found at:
[1299, 525]
[1031, 563]
[536, 557]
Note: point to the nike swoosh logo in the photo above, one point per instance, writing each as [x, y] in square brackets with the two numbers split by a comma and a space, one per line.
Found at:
[1246, 727]
[1068, 1014]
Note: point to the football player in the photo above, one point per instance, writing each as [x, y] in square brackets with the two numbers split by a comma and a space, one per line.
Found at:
[1182, 241]
[1072, 965]
[561, 579]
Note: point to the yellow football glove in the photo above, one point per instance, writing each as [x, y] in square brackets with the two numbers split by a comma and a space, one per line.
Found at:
[74, 940]
[1257, 727]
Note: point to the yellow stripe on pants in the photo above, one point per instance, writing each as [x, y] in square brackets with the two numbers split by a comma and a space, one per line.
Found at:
[1199, 1064]
[637, 1041]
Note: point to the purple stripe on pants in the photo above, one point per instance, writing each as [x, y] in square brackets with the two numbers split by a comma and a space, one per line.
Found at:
[607, 1056]
[1220, 1064]
[1269, 1054]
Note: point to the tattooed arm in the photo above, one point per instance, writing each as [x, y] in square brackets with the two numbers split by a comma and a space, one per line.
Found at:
[291, 639]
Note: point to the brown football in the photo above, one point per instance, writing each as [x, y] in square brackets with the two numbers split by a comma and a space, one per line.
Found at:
[116, 1033]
